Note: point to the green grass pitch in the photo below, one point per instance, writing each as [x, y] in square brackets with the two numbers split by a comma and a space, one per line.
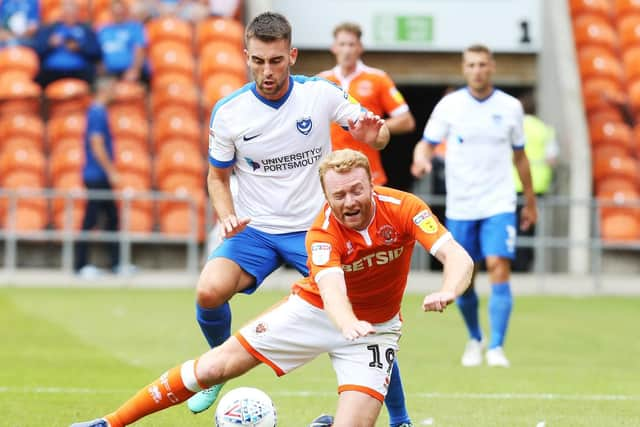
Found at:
[74, 354]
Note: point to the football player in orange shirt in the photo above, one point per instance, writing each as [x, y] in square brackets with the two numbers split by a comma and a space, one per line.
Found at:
[359, 249]
[372, 88]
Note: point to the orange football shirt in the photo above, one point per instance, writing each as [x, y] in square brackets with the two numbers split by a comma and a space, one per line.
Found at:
[375, 261]
[376, 92]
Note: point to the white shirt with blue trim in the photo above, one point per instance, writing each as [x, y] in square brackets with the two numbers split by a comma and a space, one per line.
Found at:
[481, 136]
[275, 148]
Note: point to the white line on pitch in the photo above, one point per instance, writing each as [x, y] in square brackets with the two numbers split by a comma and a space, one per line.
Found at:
[305, 393]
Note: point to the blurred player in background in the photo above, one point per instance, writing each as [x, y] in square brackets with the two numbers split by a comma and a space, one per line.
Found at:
[375, 90]
[360, 247]
[485, 136]
[372, 87]
[272, 134]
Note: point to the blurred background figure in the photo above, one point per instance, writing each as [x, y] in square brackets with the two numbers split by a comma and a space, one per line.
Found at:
[542, 151]
[99, 173]
[372, 87]
[67, 48]
[123, 44]
[20, 20]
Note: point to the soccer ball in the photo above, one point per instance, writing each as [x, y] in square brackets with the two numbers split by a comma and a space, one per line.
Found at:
[246, 407]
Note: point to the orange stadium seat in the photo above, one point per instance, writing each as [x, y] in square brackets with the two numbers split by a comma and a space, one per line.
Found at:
[594, 30]
[134, 160]
[20, 59]
[70, 184]
[128, 92]
[625, 167]
[51, 10]
[624, 8]
[618, 201]
[169, 28]
[27, 218]
[631, 62]
[175, 95]
[634, 96]
[61, 127]
[171, 57]
[599, 62]
[219, 85]
[180, 142]
[66, 88]
[219, 29]
[163, 79]
[604, 150]
[598, 94]
[18, 158]
[139, 221]
[21, 126]
[15, 142]
[629, 31]
[174, 158]
[636, 138]
[620, 227]
[176, 217]
[124, 124]
[599, 7]
[131, 183]
[67, 143]
[30, 211]
[606, 132]
[66, 160]
[179, 179]
[608, 185]
[221, 57]
[175, 127]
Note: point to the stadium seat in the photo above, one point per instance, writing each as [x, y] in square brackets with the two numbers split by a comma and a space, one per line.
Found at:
[620, 227]
[219, 29]
[27, 219]
[131, 183]
[178, 221]
[139, 221]
[180, 179]
[604, 150]
[19, 59]
[171, 57]
[124, 124]
[175, 95]
[133, 160]
[64, 144]
[599, 62]
[628, 29]
[14, 142]
[219, 85]
[634, 96]
[614, 201]
[605, 132]
[594, 30]
[598, 94]
[175, 127]
[179, 142]
[636, 139]
[30, 211]
[598, 7]
[127, 93]
[624, 8]
[69, 184]
[631, 60]
[221, 57]
[64, 160]
[26, 159]
[66, 88]
[169, 28]
[625, 167]
[62, 127]
[174, 158]
[19, 94]
[608, 185]
[21, 126]
[163, 79]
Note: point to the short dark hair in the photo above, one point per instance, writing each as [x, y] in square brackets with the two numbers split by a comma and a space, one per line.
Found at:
[268, 27]
[349, 27]
[478, 48]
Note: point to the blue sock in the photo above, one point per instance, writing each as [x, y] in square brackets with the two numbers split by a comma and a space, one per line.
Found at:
[395, 399]
[468, 305]
[500, 304]
[215, 323]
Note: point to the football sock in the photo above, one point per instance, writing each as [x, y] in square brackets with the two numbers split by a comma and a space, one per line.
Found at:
[174, 386]
[500, 303]
[395, 399]
[215, 323]
[468, 305]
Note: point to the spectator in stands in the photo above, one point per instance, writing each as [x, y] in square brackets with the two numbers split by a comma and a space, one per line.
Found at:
[19, 20]
[542, 151]
[99, 173]
[123, 45]
[67, 48]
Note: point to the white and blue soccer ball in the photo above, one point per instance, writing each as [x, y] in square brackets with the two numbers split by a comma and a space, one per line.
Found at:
[246, 407]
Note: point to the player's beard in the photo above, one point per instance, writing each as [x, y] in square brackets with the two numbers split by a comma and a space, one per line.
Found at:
[274, 89]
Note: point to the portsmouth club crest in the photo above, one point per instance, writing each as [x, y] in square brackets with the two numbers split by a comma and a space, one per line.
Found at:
[387, 234]
[304, 125]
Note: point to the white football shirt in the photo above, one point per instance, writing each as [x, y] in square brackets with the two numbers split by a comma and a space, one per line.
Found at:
[275, 148]
[481, 136]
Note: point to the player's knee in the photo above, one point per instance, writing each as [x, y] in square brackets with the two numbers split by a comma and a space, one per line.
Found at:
[499, 269]
[211, 292]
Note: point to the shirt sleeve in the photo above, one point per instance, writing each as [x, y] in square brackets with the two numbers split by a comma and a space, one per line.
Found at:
[343, 107]
[222, 148]
[423, 225]
[96, 122]
[517, 133]
[437, 127]
[393, 102]
[325, 252]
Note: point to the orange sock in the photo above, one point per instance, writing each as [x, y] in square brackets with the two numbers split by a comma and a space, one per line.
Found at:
[173, 387]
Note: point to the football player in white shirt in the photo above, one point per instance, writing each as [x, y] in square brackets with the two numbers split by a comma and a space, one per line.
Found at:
[484, 132]
[272, 134]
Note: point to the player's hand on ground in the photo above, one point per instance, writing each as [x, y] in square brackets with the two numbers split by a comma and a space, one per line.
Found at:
[528, 217]
[366, 128]
[421, 167]
[438, 301]
[232, 225]
[357, 329]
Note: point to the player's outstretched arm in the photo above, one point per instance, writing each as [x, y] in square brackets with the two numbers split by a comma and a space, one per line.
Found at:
[219, 186]
[370, 129]
[421, 164]
[458, 268]
[333, 291]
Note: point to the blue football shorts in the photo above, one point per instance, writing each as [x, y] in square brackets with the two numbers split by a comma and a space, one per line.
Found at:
[492, 236]
[259, 253]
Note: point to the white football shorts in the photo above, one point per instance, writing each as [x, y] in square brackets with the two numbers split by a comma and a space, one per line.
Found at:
[295, 332]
